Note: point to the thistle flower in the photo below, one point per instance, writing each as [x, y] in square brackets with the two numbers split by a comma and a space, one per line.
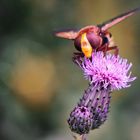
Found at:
[105, 74]
[108, 70]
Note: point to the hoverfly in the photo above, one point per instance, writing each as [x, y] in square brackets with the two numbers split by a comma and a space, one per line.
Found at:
[95, 38]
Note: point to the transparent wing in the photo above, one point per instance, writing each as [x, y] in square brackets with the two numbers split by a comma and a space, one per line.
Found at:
[67, 34]
[108, 24]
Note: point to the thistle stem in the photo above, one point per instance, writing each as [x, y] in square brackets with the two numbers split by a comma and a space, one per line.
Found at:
[80, 137]
[84, 137]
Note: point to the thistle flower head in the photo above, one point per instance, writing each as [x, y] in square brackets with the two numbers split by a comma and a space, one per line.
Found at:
[107, 70]
[91, 110]
[105, 74]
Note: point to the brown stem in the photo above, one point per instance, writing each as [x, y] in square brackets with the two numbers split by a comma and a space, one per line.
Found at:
[80, 137]
[83, 137]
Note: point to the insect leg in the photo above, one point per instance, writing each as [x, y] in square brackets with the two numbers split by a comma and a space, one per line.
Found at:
[103, 48]
[77, 57]
[115, 48]
[78, 54]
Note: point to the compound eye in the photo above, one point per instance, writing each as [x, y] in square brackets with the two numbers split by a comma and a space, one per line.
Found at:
[105, 40]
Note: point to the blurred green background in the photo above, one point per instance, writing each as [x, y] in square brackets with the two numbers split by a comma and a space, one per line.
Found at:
[39, 84]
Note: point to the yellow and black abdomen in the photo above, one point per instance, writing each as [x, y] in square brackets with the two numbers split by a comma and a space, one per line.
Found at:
[87, 42]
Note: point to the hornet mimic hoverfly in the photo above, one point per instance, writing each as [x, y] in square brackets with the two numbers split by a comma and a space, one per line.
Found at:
[95, 38]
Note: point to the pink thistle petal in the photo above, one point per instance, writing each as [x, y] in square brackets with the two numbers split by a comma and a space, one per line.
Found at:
[111, 70]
